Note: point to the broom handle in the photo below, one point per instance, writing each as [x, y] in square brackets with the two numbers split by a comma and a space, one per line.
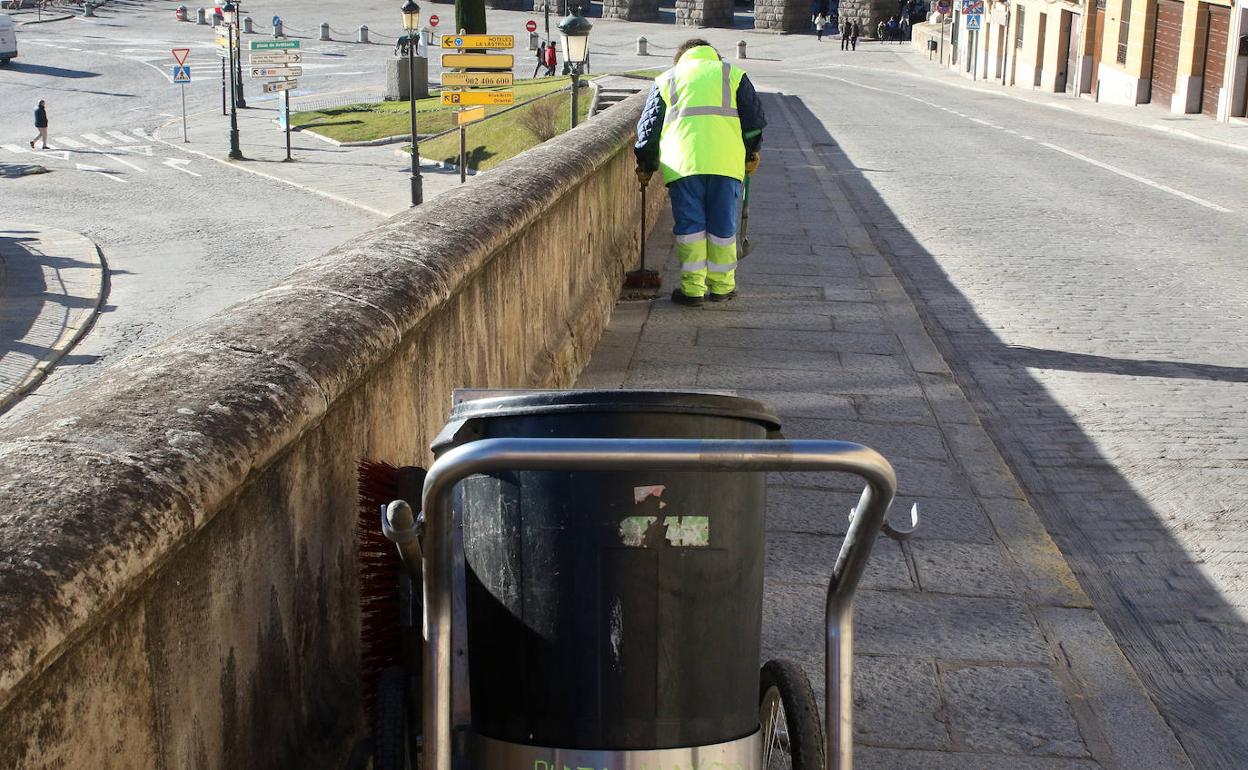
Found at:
[643, 227]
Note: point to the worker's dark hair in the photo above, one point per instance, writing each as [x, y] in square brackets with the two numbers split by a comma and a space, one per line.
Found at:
[692, 42]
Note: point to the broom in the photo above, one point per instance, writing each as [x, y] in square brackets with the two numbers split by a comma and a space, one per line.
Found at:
[745, 220]
[643, 278]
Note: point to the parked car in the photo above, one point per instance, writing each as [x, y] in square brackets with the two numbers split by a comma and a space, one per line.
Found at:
[8, 39]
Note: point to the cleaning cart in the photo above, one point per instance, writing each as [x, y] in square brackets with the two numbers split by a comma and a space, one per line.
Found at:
[592, 566]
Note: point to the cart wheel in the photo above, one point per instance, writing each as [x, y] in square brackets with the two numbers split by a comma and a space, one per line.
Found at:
[789, 719]
[390, 750]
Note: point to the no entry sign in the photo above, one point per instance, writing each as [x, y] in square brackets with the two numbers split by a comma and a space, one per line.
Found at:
[530, 25]
[433, 20]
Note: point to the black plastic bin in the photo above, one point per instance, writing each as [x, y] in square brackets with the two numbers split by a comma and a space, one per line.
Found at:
[613, 610]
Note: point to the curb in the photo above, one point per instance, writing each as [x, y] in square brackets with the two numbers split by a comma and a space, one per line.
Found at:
[47, 21]
[69, 338]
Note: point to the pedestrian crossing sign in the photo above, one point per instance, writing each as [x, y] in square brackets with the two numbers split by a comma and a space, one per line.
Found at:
[972, 21]
[182, 73]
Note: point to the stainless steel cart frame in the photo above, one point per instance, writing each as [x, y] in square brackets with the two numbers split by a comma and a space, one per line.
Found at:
[566, 454]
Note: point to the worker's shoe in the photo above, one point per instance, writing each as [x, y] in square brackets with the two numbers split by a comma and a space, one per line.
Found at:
[713, 297]
[680, 298]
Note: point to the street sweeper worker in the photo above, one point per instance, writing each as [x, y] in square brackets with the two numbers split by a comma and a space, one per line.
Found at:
[702, 125]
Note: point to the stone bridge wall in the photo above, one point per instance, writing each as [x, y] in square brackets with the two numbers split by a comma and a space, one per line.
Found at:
[177, 548]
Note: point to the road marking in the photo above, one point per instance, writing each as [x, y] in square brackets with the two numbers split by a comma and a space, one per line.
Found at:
[74, 143]
[97, 139]
[126, 162]
[122, 137]
[15, 149]
[141, 134]
[177, 163]
[140, 150]
[1138, 178]
[101, 172]
[1070, 153]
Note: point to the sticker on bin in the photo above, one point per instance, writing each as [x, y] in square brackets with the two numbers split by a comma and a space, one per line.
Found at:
[679, 531]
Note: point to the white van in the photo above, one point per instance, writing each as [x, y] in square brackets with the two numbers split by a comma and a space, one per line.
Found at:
[8, 39]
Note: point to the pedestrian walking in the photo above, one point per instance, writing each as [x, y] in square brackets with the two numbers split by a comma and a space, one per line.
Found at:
[41, 123]
[847, 29]
[892, 30]
[552, 59]
[881, 29]
[905, 28]
[854, 34]
[541, 59]
[821, 21]
[702, 125]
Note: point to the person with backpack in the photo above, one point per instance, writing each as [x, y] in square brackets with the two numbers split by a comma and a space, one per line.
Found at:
[847, 29]
[541, 59]
[702, 125]
[41, 124]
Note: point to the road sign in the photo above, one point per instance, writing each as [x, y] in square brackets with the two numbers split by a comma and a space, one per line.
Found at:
[180, 54]
[972, 21]
[484, 61]
[433, 20]
[972, 7]
[280, 85]
[478, 41]
[471, 79]
[465, 98]
[276, 72]
[470, 115]
[269, 45]
[181, 73]
[276, 57]
[530, 25]
[942, 7]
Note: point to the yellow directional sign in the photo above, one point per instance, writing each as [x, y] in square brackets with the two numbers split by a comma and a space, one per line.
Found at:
[478, 41]
[470, 115]
[470, 79]
[484, 61]
[465, 98]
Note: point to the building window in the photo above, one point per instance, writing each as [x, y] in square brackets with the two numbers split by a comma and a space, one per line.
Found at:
[1100, 5]
[1124, 31]
[1018, 26]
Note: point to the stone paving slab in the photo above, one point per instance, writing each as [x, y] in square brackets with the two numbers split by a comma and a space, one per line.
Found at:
[976, 648]
[52, 287]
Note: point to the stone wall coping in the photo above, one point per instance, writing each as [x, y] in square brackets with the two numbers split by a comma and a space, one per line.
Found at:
[99, 488]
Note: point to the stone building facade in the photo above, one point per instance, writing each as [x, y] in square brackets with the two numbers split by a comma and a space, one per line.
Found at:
[782, 15]
[704, 13]
[869, 13]
[631, 10]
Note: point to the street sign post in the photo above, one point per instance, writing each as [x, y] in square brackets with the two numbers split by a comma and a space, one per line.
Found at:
[180, 54]
[470, 115]
[433, 20]
[973, 21]
[278, 86]
[481, 61]
[466, 98]
[530, 26]
[276, 72]
[181, 73]
[182, 76]
[271, 45]
[478, 41]
[477, 79]
[942, 7]
[275, 57]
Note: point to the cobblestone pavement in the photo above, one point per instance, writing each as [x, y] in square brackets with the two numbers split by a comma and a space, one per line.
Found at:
[1084, 278]
[976, 646]
[52, 285]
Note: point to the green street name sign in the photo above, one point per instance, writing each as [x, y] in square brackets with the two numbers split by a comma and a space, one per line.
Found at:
[267, 45]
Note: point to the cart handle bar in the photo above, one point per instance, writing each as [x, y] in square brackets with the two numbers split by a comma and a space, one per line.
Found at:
[602, 454]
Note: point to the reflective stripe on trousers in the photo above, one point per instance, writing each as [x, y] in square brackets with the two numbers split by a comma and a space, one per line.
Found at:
[705, 208]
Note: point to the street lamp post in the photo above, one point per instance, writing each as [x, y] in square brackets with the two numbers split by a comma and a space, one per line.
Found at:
[238, 59]
[230, 13]
[574, 30]
[411, 23]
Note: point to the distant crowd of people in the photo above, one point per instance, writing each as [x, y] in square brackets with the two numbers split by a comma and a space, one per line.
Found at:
[826, 19]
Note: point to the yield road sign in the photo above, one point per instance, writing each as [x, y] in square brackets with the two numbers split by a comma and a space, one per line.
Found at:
[465, 98]
[485, 61]
[181, 73]
[276, 72]
[269, 45]
[471, 79]
[972, 21]
[433, 20]
[180, 54]
[530, 25]
[275, 57]
[280, 85]
[478, 41]
[470, 115]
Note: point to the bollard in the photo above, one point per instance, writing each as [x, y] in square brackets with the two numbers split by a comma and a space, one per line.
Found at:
[641, 47]
[363, 33]
[180, 13]
[201, 16]
[88, 9]
[325, 31]
[247, 29]
[741, 50]
[277, 28]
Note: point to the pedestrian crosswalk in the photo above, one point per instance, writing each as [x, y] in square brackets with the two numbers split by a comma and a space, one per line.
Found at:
[116, 154]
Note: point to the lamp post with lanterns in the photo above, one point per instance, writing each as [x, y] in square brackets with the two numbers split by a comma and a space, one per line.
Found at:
[229, 13]
[574, 29]
[411, 23]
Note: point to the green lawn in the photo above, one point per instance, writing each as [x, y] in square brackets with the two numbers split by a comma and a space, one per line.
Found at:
[652, 74]
[490, 142]
[365, 122]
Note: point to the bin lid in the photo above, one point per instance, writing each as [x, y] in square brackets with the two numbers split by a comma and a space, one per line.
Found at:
[483, 404]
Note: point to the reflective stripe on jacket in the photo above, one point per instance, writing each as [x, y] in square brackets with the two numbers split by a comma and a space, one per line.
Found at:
[701, 129]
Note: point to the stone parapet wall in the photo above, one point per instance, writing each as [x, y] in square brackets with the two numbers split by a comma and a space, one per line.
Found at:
[177, 540]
